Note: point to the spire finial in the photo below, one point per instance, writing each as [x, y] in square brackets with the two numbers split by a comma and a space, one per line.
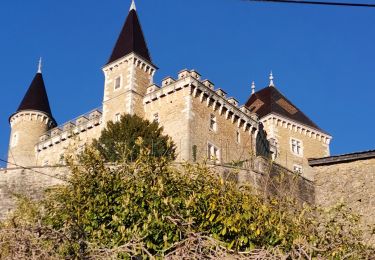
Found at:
[272, 84]
[40, 65]
[133, 7]
[252, 88]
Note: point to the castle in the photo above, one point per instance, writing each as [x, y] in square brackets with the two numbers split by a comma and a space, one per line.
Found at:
[203, 122]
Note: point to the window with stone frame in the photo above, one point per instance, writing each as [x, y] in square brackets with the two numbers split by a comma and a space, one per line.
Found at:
[156, 117]
[297, 168]
[213, 153]
[213, 122]
[296, 147]
[45, 163]
[117, 117]
[117, 83]
[238, 136]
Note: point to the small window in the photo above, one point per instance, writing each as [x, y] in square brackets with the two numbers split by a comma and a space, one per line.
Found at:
[238, 137]
[297, 168]
[14, 141]
[213, 153]
[117, 82]
[156, 117]
[213, 123]
[62, 159]
[117, 117]
[296, 147]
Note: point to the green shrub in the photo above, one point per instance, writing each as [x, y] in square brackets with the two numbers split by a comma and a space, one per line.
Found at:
[120, 138]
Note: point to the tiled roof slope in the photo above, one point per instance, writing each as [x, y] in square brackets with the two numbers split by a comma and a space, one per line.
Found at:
[36, 97]
[270, 100]
[131, 39]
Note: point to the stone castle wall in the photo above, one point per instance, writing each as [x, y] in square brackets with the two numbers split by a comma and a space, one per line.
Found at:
[314, 145]
[172, 113]
[69, 138]
[185, 107]
[27, 126]
[351, 182]
[33, 181]
[26, 182]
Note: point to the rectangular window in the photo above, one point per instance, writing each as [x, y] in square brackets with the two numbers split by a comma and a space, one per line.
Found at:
[238, 137]
[156, 117]
[14, 140]
[117, 117]
[213, 153]
[213, 123]
[296, 147]
[297, 168]
[117, 82]
[45, 163]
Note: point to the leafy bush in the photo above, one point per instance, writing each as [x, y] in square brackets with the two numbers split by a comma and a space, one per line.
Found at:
[120, 138]
[149, 208]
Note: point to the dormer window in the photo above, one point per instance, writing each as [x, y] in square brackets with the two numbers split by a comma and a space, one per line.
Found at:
[213, 122]
[117, 83]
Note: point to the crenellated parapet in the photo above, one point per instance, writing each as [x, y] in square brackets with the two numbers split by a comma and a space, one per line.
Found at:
[70, 129]
[131, 59]
[32, 116]
[297, 128]
[205, 91]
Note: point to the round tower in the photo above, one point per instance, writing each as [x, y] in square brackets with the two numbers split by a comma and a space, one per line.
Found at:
[32, 119]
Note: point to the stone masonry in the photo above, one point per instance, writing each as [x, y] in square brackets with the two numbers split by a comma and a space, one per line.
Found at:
[349, 179]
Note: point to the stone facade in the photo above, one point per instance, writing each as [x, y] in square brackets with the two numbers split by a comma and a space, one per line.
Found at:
[202, 121]
[72, 136]
[312, 143]
[349, 179]
[126, 83]
[26, 128]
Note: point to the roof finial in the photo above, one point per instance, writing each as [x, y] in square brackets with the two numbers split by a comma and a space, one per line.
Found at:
[252, 88]
[40, 66]
[272, 84]
[132, 7]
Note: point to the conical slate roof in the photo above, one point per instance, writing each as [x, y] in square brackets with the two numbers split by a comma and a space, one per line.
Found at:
[36, 97]
[131, 39]
[269, 100]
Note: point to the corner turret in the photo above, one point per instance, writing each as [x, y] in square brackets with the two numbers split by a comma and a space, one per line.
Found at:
[32, 119]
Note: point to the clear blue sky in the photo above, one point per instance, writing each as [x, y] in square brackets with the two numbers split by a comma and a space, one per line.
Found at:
[323, 58]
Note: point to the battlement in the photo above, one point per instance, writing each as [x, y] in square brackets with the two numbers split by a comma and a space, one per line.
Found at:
[31, 116]
[297, 127]
[133, 59]
[69, 129]
[205, 91]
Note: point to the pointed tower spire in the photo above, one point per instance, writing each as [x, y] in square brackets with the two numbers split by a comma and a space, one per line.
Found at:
[40, 66]
[272, 84]
[252, 88]
[36, 96]
[131, 39]
[132, 6]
